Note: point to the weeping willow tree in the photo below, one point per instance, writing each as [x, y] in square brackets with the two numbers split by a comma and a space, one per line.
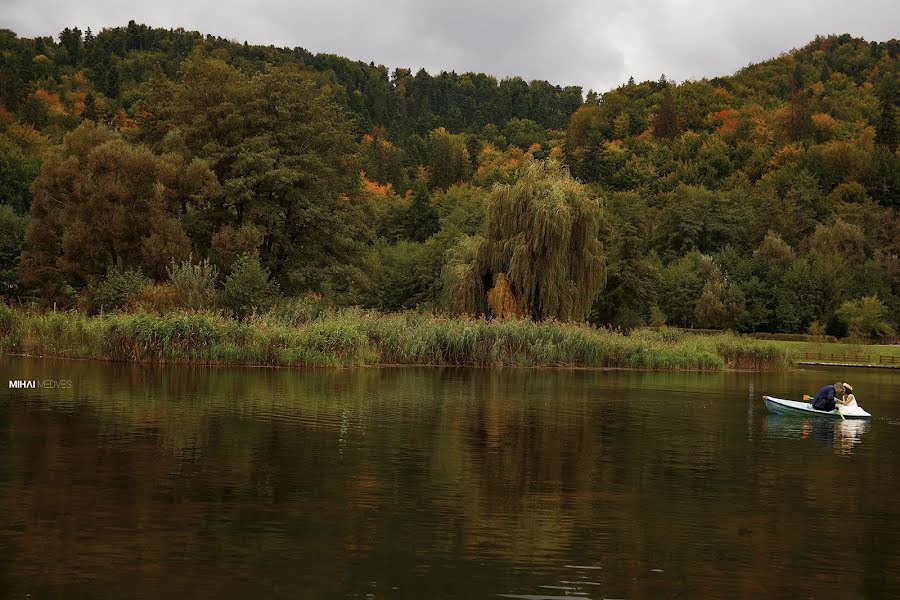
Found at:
[540, 255]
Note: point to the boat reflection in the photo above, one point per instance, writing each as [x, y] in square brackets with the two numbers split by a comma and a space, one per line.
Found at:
[840, 436]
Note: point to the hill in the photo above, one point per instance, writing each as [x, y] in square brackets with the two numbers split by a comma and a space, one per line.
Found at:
[761, 201]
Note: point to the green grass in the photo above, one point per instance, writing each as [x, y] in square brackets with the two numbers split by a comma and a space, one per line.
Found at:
[355, 337]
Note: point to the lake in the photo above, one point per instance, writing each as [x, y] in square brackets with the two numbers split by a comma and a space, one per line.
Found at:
[189, 482]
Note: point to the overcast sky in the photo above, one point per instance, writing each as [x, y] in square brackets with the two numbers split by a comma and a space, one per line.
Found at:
[593, 43]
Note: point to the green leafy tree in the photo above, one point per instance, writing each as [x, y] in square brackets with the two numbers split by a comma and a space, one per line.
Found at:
[865, 316]
[841, 239]
[284, 152]
[681, 284]
[421, 219]
[632, 279]
[524, 133]
[13, 228]
[721, 305]
[118, 287]
[247, 288]
[542, 236]
[583, 144]
[887, 132]
[17, 171]
[449, 159]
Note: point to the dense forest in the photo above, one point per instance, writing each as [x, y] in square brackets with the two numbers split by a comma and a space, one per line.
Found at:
[152, 169]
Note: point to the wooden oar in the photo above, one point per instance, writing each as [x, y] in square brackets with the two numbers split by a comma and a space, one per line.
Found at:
[807, 398]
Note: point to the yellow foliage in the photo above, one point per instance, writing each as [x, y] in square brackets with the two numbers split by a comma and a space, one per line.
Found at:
[30, 139]
[494, 165]
[785, 156]
[375, 190]
[52, 101]
[503, 302]
[723, 95]
[824, 123]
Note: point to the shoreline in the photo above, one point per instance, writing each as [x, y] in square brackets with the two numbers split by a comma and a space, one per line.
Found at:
[499, 367]
[354, 337]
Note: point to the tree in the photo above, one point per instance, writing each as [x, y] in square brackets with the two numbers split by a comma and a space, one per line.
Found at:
[247, 288]
[722, 304]
[886, 132]
[840, 239]
[284, 152]
[524, 133]
[681, 284]
[194, 283]
[583, 143]
[13, 228]
[632, 281]
[381, 161]
[90, 108]
[541, 241]
[118, 288]
[449, 159]
[70, 39]
[774, 251]
[102, 202]
[421, 219]
[17, 172]
[665, 123]
[865, 316]
[798, 121]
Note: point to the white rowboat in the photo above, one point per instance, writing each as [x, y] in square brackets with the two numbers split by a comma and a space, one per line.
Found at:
[780, 406]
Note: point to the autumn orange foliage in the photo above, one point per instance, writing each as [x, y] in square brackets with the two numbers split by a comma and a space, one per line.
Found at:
[726, 122]
[374, 189]
[123, 123]
[503, 302]
[52, 101]
[6, 117]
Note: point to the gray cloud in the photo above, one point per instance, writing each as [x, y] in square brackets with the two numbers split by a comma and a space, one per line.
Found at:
[595, 44]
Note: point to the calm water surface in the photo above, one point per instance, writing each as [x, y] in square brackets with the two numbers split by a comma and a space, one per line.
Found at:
[184, 482]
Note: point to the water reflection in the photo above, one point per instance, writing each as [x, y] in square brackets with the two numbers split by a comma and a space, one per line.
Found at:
[437, 483]
[837, 435]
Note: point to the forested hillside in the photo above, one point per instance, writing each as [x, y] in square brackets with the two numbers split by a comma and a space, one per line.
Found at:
[152, 169]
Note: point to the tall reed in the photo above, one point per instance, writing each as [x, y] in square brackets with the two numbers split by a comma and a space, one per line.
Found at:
[297, 337]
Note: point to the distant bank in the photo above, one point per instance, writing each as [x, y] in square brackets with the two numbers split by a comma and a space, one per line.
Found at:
[354, 337]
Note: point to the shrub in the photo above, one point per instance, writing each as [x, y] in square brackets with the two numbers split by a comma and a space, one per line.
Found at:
[248, 289]
[118, 288]
[7, 319]
[157, 299]
[195, 284]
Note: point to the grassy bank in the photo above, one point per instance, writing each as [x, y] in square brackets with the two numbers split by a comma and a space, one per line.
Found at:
[356, 337]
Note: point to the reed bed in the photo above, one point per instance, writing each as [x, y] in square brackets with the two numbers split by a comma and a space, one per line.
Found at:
[355, 337]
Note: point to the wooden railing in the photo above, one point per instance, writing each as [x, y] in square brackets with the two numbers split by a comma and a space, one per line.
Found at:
[867, 359]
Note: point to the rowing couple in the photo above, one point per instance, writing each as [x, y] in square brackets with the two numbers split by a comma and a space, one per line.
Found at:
[831, 395]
